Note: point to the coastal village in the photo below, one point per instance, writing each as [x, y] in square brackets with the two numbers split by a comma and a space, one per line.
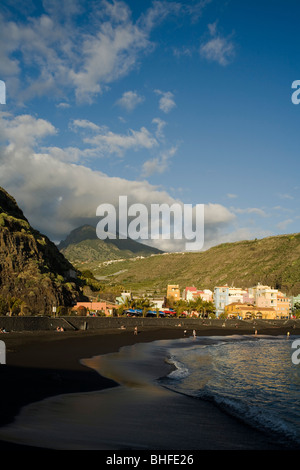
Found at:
[258, 302]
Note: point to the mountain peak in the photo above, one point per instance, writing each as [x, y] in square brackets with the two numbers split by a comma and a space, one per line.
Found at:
[83, 246]
[79, 234]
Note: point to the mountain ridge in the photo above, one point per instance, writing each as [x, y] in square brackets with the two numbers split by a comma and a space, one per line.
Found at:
[82, 246]
[273, 261]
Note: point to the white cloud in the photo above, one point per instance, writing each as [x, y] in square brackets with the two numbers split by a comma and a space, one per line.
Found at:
[24, 131]
[59, 55]
[116, 48]
[286, 196]
[63, 105]
[166, 102]
[283, 225]
[106, 142]
[85, 124]
[130, 99]
[182, 52]
[243, 233]
[159, 164]
[283, 209]
[250, 210]
[57, 195]
[159, 129]
[217, 48]
[216, 214]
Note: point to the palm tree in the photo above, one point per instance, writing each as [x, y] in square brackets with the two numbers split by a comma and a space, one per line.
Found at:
[128, 303]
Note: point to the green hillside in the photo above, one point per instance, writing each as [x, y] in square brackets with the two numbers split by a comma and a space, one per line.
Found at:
[85, 250]
[274, 261]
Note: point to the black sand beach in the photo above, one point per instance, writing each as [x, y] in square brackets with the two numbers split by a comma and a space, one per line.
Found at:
[45, 364]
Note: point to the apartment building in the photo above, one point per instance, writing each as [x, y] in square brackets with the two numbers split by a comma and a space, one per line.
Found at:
[192, 293]
[224, 295]
[221, 299]
[244, 312]
[284, 305]
[236, 294]
[173, 292]
[264, 296]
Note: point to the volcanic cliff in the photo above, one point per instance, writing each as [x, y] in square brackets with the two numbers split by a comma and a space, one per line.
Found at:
[34, 275]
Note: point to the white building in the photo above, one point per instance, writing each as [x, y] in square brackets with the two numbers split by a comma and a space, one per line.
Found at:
[192, 293]
[235, 294]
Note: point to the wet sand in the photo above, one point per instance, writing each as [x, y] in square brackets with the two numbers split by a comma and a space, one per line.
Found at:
[48, 364]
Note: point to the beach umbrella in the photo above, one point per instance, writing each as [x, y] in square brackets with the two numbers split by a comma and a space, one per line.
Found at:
[151, 313]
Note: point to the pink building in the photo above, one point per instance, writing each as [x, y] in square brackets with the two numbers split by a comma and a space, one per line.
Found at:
[248, 299]
[97, 307]
[189, 292]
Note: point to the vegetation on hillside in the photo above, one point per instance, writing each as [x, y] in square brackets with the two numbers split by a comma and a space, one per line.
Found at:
[34, 275]
[274, 261]
[85, 250]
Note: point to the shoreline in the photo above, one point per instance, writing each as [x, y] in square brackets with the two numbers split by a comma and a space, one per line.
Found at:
[40, 365]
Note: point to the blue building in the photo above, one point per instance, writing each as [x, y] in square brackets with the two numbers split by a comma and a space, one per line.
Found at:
[221, 296]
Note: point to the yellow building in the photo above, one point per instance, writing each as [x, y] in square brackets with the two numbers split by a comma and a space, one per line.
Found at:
[247, 311]
[173, 292]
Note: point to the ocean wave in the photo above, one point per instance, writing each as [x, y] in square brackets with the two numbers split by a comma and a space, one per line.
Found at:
[180, 370]
[250, 378]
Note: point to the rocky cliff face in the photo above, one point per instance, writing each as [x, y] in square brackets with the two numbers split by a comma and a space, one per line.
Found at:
[34, 275]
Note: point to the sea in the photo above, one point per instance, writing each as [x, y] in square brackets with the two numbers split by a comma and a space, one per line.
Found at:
[254, 378]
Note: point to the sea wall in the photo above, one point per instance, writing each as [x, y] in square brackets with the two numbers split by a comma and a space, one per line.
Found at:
[95, 323]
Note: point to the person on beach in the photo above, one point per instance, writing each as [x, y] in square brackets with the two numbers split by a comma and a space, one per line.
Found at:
[194, 333]
[135, 330]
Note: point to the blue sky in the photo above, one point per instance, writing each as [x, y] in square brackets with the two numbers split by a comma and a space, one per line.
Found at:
[164, 101]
